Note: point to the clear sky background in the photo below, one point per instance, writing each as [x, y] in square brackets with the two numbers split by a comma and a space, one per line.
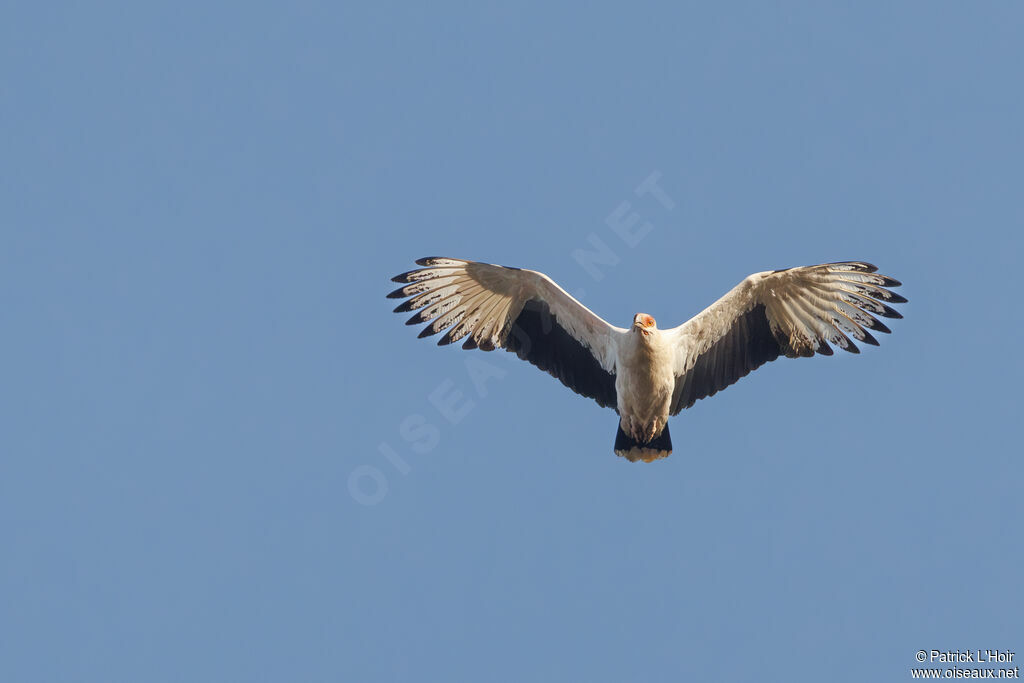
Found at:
[202, 205]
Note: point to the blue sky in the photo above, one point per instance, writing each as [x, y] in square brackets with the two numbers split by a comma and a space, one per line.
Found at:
[203, 205]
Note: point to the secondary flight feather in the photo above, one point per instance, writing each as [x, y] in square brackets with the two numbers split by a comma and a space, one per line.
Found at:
[645, 373]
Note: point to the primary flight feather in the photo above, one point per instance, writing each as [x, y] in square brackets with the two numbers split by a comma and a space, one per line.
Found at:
[645, 373]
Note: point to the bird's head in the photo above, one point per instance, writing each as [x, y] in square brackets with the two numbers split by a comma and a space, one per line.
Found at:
[644, 324]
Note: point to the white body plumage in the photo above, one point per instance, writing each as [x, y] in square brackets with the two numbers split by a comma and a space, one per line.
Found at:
[644, 379]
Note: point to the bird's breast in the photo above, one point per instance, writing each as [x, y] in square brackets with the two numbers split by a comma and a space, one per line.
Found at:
[644, 381]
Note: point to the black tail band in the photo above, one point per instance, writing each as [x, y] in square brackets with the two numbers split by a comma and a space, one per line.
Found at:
[633, 450]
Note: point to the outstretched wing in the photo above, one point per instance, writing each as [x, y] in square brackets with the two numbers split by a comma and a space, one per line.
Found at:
[521, 310]
[795, 312]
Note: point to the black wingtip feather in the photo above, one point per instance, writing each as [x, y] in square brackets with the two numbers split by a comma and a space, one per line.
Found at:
[879, 326]
[397, 294]
[427, 331]
[887, 311]
[447, 338]
[404, 306]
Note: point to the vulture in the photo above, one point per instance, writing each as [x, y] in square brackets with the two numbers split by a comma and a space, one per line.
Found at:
[645, 373]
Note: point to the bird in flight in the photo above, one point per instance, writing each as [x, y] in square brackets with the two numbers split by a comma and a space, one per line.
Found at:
[645, 373]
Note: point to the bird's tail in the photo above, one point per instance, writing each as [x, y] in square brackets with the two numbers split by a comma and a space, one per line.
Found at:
[633, 450]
